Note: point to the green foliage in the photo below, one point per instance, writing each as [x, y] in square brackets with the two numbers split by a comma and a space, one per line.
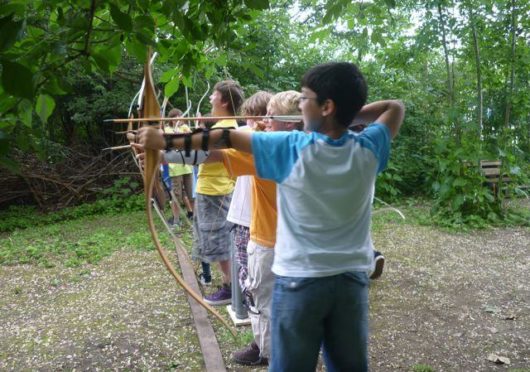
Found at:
[387, 184]
[122, 190]
[460, 194]
[45, 107]
[42, 41]
[517, 173]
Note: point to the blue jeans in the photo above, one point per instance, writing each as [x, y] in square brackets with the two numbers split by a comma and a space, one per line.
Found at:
[308, 313]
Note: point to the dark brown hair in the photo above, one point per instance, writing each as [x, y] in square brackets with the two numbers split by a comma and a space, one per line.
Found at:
[231, 93]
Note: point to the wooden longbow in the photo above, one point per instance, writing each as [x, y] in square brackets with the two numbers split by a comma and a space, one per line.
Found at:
[150, 111]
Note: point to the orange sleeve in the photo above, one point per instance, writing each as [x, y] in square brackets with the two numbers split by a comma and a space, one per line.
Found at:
[239, 163]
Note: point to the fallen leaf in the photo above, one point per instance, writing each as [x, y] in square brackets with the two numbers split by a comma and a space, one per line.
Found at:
[498, 359]
[491, 309]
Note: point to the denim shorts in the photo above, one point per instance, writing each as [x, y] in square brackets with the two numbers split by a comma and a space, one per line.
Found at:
[211, 230]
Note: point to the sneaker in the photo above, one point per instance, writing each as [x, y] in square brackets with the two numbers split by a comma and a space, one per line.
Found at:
[204, 281]
[249, 356]
[222, 297]
[189, 214]
[379, 264]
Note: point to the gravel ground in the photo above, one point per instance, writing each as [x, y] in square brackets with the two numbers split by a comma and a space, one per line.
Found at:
[447, 300]
[450, 300]
[124, 313]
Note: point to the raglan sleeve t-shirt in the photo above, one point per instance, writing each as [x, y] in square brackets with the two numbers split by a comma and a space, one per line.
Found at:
[324, 197]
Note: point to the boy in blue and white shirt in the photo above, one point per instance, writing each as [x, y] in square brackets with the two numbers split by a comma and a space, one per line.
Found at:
[325, 186]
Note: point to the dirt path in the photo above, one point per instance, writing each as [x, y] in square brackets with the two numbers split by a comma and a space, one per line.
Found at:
[450, 300]
[446, 300]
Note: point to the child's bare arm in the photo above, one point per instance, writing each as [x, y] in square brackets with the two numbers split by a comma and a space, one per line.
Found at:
[389, 113]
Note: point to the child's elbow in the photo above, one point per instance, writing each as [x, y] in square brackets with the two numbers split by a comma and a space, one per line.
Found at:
[399, 105]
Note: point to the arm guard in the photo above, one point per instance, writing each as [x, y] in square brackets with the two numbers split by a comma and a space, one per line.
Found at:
[195, 157]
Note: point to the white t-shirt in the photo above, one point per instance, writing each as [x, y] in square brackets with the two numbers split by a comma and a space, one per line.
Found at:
[240, 211]
[325, 190]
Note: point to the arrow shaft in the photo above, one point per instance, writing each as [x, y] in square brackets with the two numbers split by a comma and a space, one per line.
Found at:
[210, 118]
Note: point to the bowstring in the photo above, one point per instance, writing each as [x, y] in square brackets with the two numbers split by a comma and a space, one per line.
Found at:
[198, 111]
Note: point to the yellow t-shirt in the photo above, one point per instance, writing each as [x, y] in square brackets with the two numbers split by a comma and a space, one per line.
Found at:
[264, 211]
[176, 170]
[213, 178]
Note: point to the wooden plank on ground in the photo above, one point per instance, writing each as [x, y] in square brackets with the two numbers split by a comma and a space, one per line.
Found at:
[213, 359]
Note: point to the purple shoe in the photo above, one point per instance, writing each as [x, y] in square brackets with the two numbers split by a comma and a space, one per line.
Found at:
[222, 297]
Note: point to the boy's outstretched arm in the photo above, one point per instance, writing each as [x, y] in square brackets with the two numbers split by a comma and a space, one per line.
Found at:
[151, 138]
[389, 113]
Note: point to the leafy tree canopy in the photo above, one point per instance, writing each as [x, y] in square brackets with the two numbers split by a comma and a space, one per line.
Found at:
[462, 68]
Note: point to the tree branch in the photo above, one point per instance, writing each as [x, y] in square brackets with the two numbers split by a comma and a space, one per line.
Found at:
[90, 26]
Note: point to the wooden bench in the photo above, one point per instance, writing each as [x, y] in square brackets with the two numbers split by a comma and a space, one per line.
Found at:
[491, 169]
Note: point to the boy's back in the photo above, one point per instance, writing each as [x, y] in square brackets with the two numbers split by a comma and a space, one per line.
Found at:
[325, 192]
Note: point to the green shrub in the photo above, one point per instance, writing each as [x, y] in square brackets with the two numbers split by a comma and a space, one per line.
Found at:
[460, 195]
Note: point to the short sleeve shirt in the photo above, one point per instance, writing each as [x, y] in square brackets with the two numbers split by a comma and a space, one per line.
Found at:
[240, 211]
[176, 170]
[213, 178]
[264, 209]
[325, 188]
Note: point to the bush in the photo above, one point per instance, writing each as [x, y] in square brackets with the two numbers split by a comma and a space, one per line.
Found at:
[460, 194]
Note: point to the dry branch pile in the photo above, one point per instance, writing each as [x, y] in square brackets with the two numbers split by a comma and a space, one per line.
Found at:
[77, 178]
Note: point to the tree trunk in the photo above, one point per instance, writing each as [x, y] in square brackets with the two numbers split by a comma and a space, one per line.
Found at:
[450, 82]
[476, 48]
[450, 77]
[511, 83]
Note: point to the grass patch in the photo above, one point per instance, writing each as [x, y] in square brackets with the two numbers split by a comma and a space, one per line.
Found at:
[23, 217]
[91, 232]
[418, 211]
[415, 211]
[422, 368]
[76, 242]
